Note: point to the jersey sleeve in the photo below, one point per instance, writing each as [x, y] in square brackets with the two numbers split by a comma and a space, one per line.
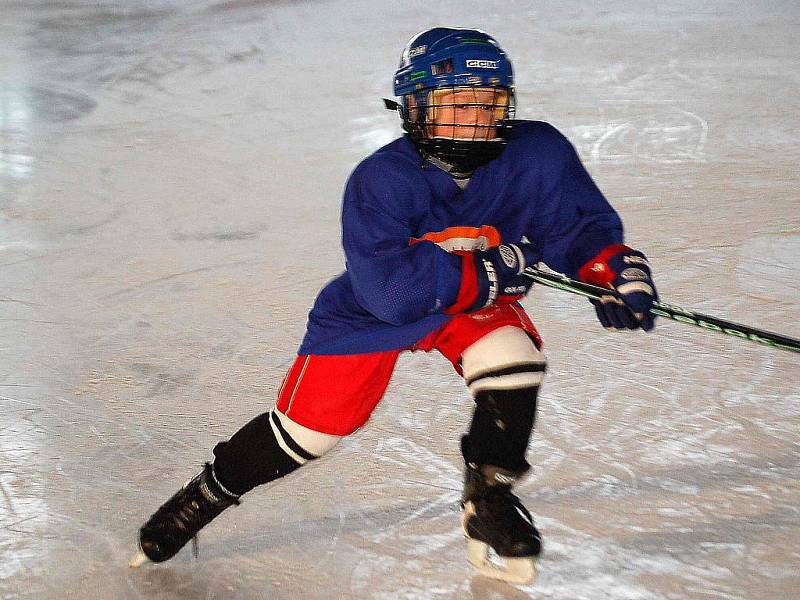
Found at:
[574, 221]
[397, 282]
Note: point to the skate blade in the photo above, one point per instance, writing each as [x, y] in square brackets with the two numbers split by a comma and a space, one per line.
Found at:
[138, 559]
[513, 570]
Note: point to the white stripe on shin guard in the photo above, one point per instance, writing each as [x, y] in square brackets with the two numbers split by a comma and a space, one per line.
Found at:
[515, 381]
[313, 442]
[504, 359]
[282, 443]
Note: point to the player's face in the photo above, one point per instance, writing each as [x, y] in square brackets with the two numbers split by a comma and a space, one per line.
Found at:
[467, 113]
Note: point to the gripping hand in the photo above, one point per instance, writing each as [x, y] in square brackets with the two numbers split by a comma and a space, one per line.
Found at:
[499, 273]
[626, 271]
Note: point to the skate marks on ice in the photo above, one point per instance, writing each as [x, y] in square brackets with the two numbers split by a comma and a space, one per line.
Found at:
[669, 136]
[644, 112]
[692, 484]
[389, 530]
[409, 544]
[613, 510]
[421, 546]
[695, 484]
[686, 531]
[23, 509]
[766, 270]
[625, 80]
[419, 552]
[54, 545]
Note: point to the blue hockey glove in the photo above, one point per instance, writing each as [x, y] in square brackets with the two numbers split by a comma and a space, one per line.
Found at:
[498, 272]
[626, 271]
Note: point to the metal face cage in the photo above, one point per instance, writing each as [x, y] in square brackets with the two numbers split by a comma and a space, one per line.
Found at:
[465, 113]
[463, 126]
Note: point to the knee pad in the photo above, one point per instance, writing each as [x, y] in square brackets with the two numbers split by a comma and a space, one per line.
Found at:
[299, 442]
[505, 359]
[267, 448]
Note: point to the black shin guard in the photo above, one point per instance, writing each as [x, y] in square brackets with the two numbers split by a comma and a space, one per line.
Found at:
[251, 457]
[501, 428]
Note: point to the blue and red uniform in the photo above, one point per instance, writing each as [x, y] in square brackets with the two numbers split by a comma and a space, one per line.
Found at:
[408, 230]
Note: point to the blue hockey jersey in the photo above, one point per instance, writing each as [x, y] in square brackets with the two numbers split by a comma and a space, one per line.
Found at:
[405, 222]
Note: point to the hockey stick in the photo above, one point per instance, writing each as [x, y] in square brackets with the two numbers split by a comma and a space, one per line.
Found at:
[676, 313]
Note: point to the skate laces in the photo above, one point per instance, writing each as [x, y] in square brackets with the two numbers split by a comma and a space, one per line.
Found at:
[500, 501]
[189, 510]
[190, 514]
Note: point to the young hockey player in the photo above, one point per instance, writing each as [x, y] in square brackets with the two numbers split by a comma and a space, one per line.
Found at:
[438, 227]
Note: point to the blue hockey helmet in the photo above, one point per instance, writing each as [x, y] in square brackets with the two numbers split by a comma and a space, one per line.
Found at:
[439, 63]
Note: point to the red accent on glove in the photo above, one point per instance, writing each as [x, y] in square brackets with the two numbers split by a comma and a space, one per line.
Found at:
[596, 271]
[468, 292]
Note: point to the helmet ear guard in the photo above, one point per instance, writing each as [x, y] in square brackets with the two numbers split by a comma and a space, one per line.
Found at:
[391, 104]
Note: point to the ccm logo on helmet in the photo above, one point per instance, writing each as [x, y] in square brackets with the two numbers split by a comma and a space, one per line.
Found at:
[482, 64]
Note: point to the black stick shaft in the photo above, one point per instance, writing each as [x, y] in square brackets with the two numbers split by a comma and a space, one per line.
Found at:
[670, 311]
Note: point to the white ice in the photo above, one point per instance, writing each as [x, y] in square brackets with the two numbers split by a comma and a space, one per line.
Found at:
[170, 180]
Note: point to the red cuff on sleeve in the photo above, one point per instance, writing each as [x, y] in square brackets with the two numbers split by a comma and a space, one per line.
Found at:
[468, 292]
[596, 271]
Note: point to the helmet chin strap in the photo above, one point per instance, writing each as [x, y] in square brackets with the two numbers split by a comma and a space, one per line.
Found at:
[450, 169]
[461, 157]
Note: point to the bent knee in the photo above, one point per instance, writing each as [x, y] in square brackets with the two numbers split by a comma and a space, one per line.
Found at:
[504, 359]
[300, 442]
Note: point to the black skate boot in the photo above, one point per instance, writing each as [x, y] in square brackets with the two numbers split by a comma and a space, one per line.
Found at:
[192, 507]
[495, 518]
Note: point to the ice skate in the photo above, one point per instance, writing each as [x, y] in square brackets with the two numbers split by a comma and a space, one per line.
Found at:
[495, 519]
[179, 520]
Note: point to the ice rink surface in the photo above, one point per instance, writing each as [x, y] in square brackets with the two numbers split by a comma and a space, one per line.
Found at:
[170, 180]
